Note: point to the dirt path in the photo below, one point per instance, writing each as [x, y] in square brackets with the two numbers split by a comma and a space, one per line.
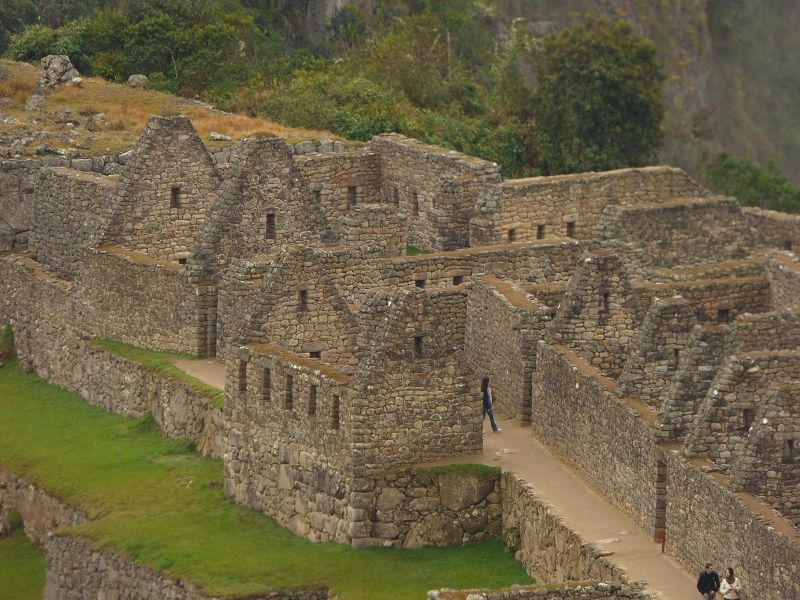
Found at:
[207, 370]
[583, 510]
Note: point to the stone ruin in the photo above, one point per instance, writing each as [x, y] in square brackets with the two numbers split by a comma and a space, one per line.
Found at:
[656, 321]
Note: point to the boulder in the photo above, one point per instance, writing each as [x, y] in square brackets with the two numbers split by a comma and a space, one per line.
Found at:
[219, 137]
[434, 530]
[139, 81]
[459, 491]
[35, 102]
[53, 70]
[5, 102]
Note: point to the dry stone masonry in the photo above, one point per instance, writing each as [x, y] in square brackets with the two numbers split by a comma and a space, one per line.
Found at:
[646, 330]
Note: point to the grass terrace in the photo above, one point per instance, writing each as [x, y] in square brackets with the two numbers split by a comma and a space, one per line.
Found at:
[162, 505]
[21, 568]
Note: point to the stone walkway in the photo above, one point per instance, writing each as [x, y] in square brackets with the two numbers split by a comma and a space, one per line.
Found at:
[515, 449]
[583, 510]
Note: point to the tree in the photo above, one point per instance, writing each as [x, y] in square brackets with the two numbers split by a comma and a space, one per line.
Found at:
[597, 101]
[751, 185]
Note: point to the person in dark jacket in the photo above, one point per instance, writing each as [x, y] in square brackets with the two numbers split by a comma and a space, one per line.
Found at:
[708, 582]
[488, 401]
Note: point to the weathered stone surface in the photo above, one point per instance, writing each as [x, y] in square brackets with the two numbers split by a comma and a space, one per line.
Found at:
[34, 102]
[460, 491]
[137, 80]
[434, 530]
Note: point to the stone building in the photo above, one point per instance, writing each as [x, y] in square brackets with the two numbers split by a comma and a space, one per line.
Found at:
[654, 320]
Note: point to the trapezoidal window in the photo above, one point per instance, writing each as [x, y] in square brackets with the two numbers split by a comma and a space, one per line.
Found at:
[289, 398]
[420, 283]
[315, 354]
[787, 245]
[570, 229]
[603, 307]
[539, 232]
[270, 230]
[312, 401]
[302, 300]
[789, 451]
[414, 203]
[724, 315]
[748, 416]
[175, 197]
[512, 235]
[335, 416]
[352, 195]
[418, 342]
[242, 375]
[458, 279]
[676, 355]
[396, 196]
[266, 386]
[317, 196]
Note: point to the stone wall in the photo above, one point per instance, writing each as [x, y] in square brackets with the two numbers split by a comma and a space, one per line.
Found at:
[767, 331]
[723, 529]
[76, 570]
[715, 300]
[416, 401]
[437, 189]
[41, 513]
[65, 209]
[17, 183]
[503, 324]
[544, 206]
[774, 229]
[130, 297]
[784, 278]
[578, 590]
[287, 444]
[548, 549]
[684, 231]
[578, 415]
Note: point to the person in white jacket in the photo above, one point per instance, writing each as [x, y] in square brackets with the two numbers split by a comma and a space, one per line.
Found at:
[730, 587]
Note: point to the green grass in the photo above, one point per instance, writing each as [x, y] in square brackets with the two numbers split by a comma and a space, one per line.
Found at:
[22, 574]
[162, 363]
[163, 506]
[413, 250]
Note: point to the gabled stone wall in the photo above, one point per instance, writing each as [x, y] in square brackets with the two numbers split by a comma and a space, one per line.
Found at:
[164, 193]
[425, 181]
[769, 463]
[655, 353]
[774, 229]
[730, 407]
[784, 278]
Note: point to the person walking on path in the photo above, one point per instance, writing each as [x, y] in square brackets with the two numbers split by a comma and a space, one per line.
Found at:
[730, 587]
[487, 403]
[708, 582]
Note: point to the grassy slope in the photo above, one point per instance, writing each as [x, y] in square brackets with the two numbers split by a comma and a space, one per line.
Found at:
[162, 362]
[127, 110]
[164, 506]
[21, 568]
